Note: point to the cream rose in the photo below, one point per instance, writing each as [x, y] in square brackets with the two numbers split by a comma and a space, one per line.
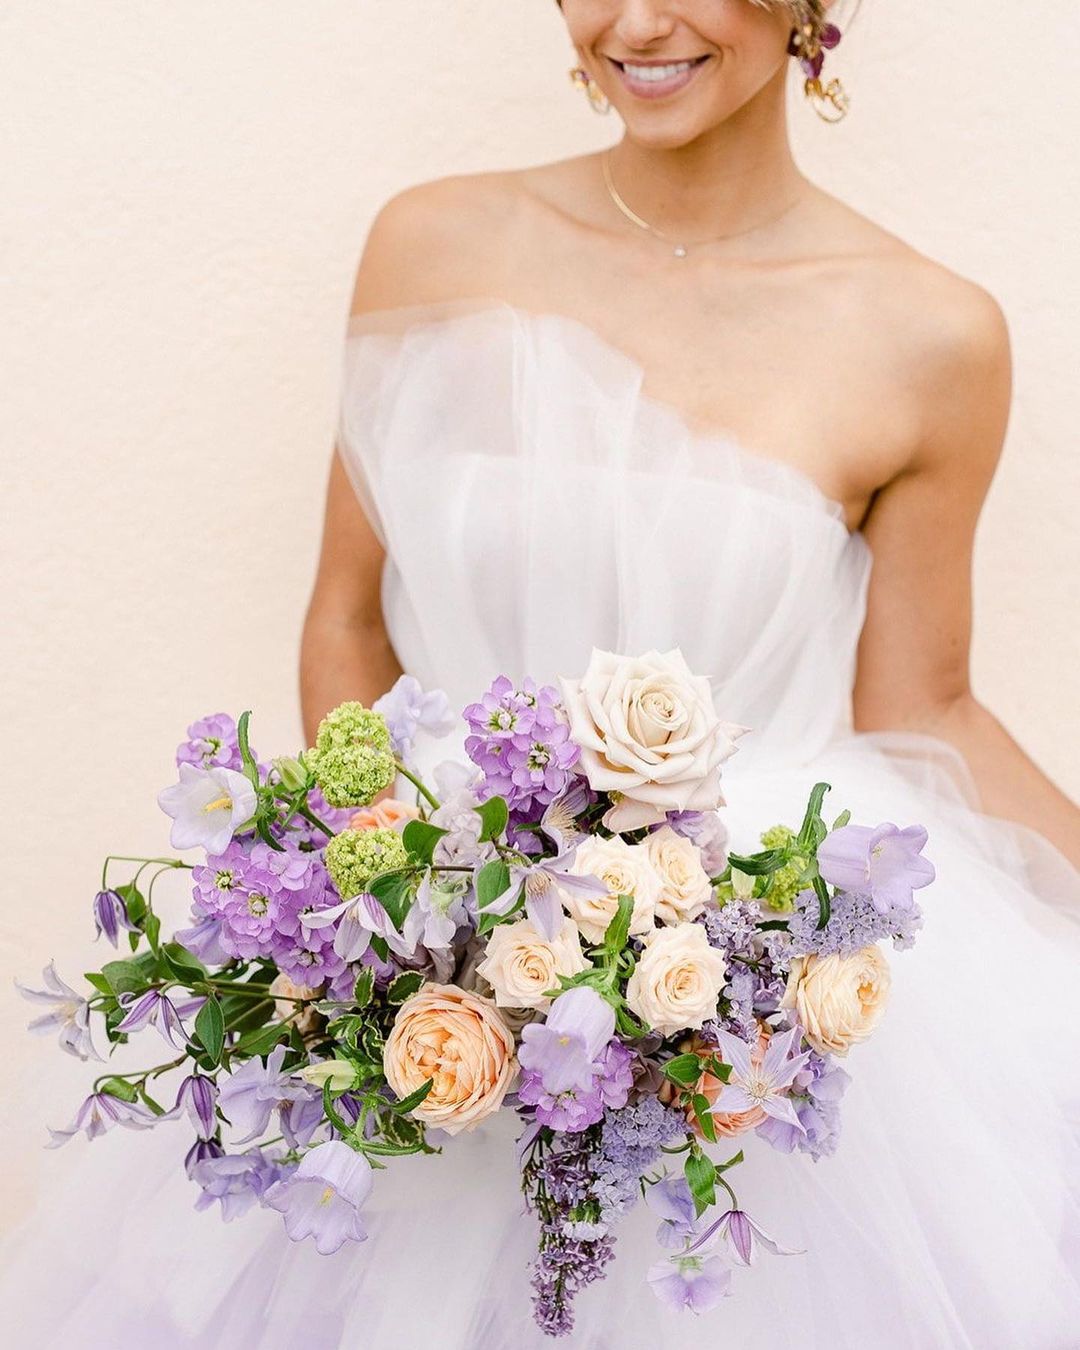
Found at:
[677, 980]
[625, 869]
[839, 1000]
[520, 963]
[459, 1041]
[684, 888]
[649, 731]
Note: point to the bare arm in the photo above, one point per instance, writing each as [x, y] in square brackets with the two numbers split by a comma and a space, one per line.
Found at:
[913, 669]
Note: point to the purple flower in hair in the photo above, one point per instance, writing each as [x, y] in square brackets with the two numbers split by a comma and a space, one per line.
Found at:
[323, 1197]
[886, 861]
[70, 1014]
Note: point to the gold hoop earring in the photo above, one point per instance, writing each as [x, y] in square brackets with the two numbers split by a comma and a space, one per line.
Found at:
[598, 100]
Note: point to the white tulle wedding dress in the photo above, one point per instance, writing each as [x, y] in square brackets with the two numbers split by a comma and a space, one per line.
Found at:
[535, 502]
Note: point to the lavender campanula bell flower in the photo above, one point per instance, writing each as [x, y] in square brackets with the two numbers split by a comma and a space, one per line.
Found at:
[323, 1197]
[207, 806]
[884, 860]
[98, 1114]
[70, 1014]
[236, 1181]
[565, 1049]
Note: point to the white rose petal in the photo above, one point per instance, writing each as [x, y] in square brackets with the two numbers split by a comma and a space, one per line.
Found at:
[685, 888]
[626, 869]
[677, 980]
[520, 963]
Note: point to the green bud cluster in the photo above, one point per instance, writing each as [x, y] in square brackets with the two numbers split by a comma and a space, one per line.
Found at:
[353, 758]
[353, 857]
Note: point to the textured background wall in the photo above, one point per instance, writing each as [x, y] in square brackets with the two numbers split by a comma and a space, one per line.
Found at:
[186, 192]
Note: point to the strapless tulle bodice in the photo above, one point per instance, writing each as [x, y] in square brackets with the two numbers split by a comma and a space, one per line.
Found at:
[534, 502]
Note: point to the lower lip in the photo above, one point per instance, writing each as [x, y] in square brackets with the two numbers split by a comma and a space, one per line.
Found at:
[659, 88]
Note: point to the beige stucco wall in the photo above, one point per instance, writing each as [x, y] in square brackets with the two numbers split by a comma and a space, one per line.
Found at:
[186, 188]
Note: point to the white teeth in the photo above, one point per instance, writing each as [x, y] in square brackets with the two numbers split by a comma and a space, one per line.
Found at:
[651, 74]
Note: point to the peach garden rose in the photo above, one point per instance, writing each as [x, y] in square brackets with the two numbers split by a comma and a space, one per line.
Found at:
[461, 1042]
[839, 1000]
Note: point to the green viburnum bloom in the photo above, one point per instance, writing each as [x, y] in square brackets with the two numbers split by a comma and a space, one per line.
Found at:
[778, 837]
[353, 857]
[783, 884]
[352, 758]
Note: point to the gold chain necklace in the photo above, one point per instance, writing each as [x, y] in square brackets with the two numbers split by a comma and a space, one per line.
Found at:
[680, 250]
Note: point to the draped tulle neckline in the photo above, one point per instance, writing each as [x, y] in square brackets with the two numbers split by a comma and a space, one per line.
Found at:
[419, 317]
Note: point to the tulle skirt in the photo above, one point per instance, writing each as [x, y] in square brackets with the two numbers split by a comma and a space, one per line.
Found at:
[949, 1216]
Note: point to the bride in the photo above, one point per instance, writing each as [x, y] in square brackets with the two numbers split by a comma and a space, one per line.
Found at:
[675, 394]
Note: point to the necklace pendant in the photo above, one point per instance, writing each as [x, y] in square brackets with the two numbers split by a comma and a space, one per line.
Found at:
[679, 250]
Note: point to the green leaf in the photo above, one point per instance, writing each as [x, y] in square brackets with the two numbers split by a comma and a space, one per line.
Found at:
[813, 812]
[364, 987]
[125, 977]
[134, 901]
[492, 880]
[98, 981]
[493, 816]
[262, 1040]
[841, 820]
[683, 1069]
[183, 966]
[394, 892]
[413, 1099]
[703, 1116]
[119, 1087]
[404, 986]
[420, 838]
[759, 864]
[618, 930]
[731, 1162]
[249, 765]
[718, 1069]
[701, 1178]
[152, 929]
[824, 903]
[210, 1028]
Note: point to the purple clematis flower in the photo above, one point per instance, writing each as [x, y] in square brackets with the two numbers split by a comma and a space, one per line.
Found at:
[322, 1198]
[110, 915]
[743, 1235]
[99, 1113]
[408, 709]
[158, 1010]
[357, 921]
[198, 1097]
[766, 1085]
[886, 861]
[249, 1097]
[566, 1049]
[200, 1151]
[70, 1014]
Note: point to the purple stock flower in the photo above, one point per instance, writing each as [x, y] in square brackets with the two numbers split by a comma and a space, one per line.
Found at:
[236, 1180]
[212, 744]
[886, 861]
[198, 1097]
[159, 1011]
[99, 1113]
[249, 1097]
[565, 1049]
[521, 740]
[110, 915]
[70, 1014]
[408, 709]
[765, 1085]
[322, 1198]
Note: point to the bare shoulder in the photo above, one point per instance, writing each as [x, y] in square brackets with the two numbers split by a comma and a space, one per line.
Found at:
[440, 239]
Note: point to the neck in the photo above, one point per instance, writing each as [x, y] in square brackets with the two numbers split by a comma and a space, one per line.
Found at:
[737, 175]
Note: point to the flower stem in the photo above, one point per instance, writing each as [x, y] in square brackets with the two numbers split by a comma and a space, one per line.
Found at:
[418, 783]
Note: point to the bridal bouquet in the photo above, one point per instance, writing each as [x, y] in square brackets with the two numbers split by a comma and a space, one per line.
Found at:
[556, 929]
